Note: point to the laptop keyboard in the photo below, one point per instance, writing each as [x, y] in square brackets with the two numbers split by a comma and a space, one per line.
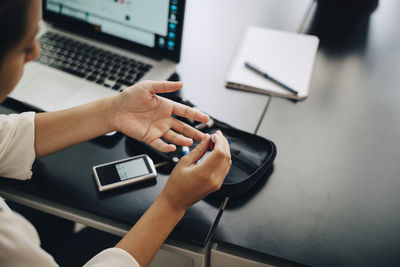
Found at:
[91, 63]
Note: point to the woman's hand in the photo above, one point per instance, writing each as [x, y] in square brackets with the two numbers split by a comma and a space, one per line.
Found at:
[141, 114]
[187, 184]
[190, 182]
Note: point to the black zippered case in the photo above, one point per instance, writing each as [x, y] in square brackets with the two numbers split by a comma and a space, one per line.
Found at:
[252, 155]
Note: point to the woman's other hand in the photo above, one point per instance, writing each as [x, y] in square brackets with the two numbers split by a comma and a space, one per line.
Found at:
[141, 114]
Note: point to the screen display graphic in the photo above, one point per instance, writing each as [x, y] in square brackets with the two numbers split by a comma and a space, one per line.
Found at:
[151, 23]
[131, 169]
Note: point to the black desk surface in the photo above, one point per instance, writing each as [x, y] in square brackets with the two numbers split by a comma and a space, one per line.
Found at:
[334, 196]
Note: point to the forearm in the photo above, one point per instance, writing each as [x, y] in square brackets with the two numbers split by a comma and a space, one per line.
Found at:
[55, 131]
[150, 232]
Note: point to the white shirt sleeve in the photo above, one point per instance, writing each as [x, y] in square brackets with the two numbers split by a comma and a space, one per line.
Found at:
[112, 257]
[20, 246]
[19, 241]
[17, 145]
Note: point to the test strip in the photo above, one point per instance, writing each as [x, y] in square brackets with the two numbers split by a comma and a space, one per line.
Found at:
[185, 150]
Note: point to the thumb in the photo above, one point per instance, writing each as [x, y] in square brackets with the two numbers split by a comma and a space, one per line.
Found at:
[164, 87]
[198, 152]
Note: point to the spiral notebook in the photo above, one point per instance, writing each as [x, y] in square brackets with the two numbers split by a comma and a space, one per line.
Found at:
[286, 56]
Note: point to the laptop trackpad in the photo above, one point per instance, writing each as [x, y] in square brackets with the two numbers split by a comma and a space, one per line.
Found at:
[49, 92]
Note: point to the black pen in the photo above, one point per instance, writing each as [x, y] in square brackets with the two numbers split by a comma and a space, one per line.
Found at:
[265, 75]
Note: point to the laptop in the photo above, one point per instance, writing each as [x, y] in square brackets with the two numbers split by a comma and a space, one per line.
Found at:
[94, 49]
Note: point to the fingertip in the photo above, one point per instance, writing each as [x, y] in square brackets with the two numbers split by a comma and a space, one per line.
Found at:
[178, 84]
[163, 86]
[189, 142]
[217, 135]
[171, 148]
[174, 86]
[219, 139]
[206, 138]
[204, 118]
[200, 116]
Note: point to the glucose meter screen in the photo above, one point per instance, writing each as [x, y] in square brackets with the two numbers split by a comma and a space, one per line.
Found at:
[132, 169]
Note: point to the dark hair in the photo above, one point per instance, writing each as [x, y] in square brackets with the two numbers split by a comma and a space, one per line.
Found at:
[13, 24]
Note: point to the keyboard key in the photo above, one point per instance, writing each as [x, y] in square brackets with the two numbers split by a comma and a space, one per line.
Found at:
[125, 82]
[142, 68]
[92, 78]
[116, 86]
[90, 69]
[70, 71]
[100, 81]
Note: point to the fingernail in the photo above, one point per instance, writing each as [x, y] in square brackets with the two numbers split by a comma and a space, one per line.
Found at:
[219, 132]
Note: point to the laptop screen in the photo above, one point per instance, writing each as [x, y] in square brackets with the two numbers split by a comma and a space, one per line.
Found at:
[155, 24]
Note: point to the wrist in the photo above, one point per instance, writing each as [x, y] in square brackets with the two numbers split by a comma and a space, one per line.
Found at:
[171, 204]
[107, 106]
